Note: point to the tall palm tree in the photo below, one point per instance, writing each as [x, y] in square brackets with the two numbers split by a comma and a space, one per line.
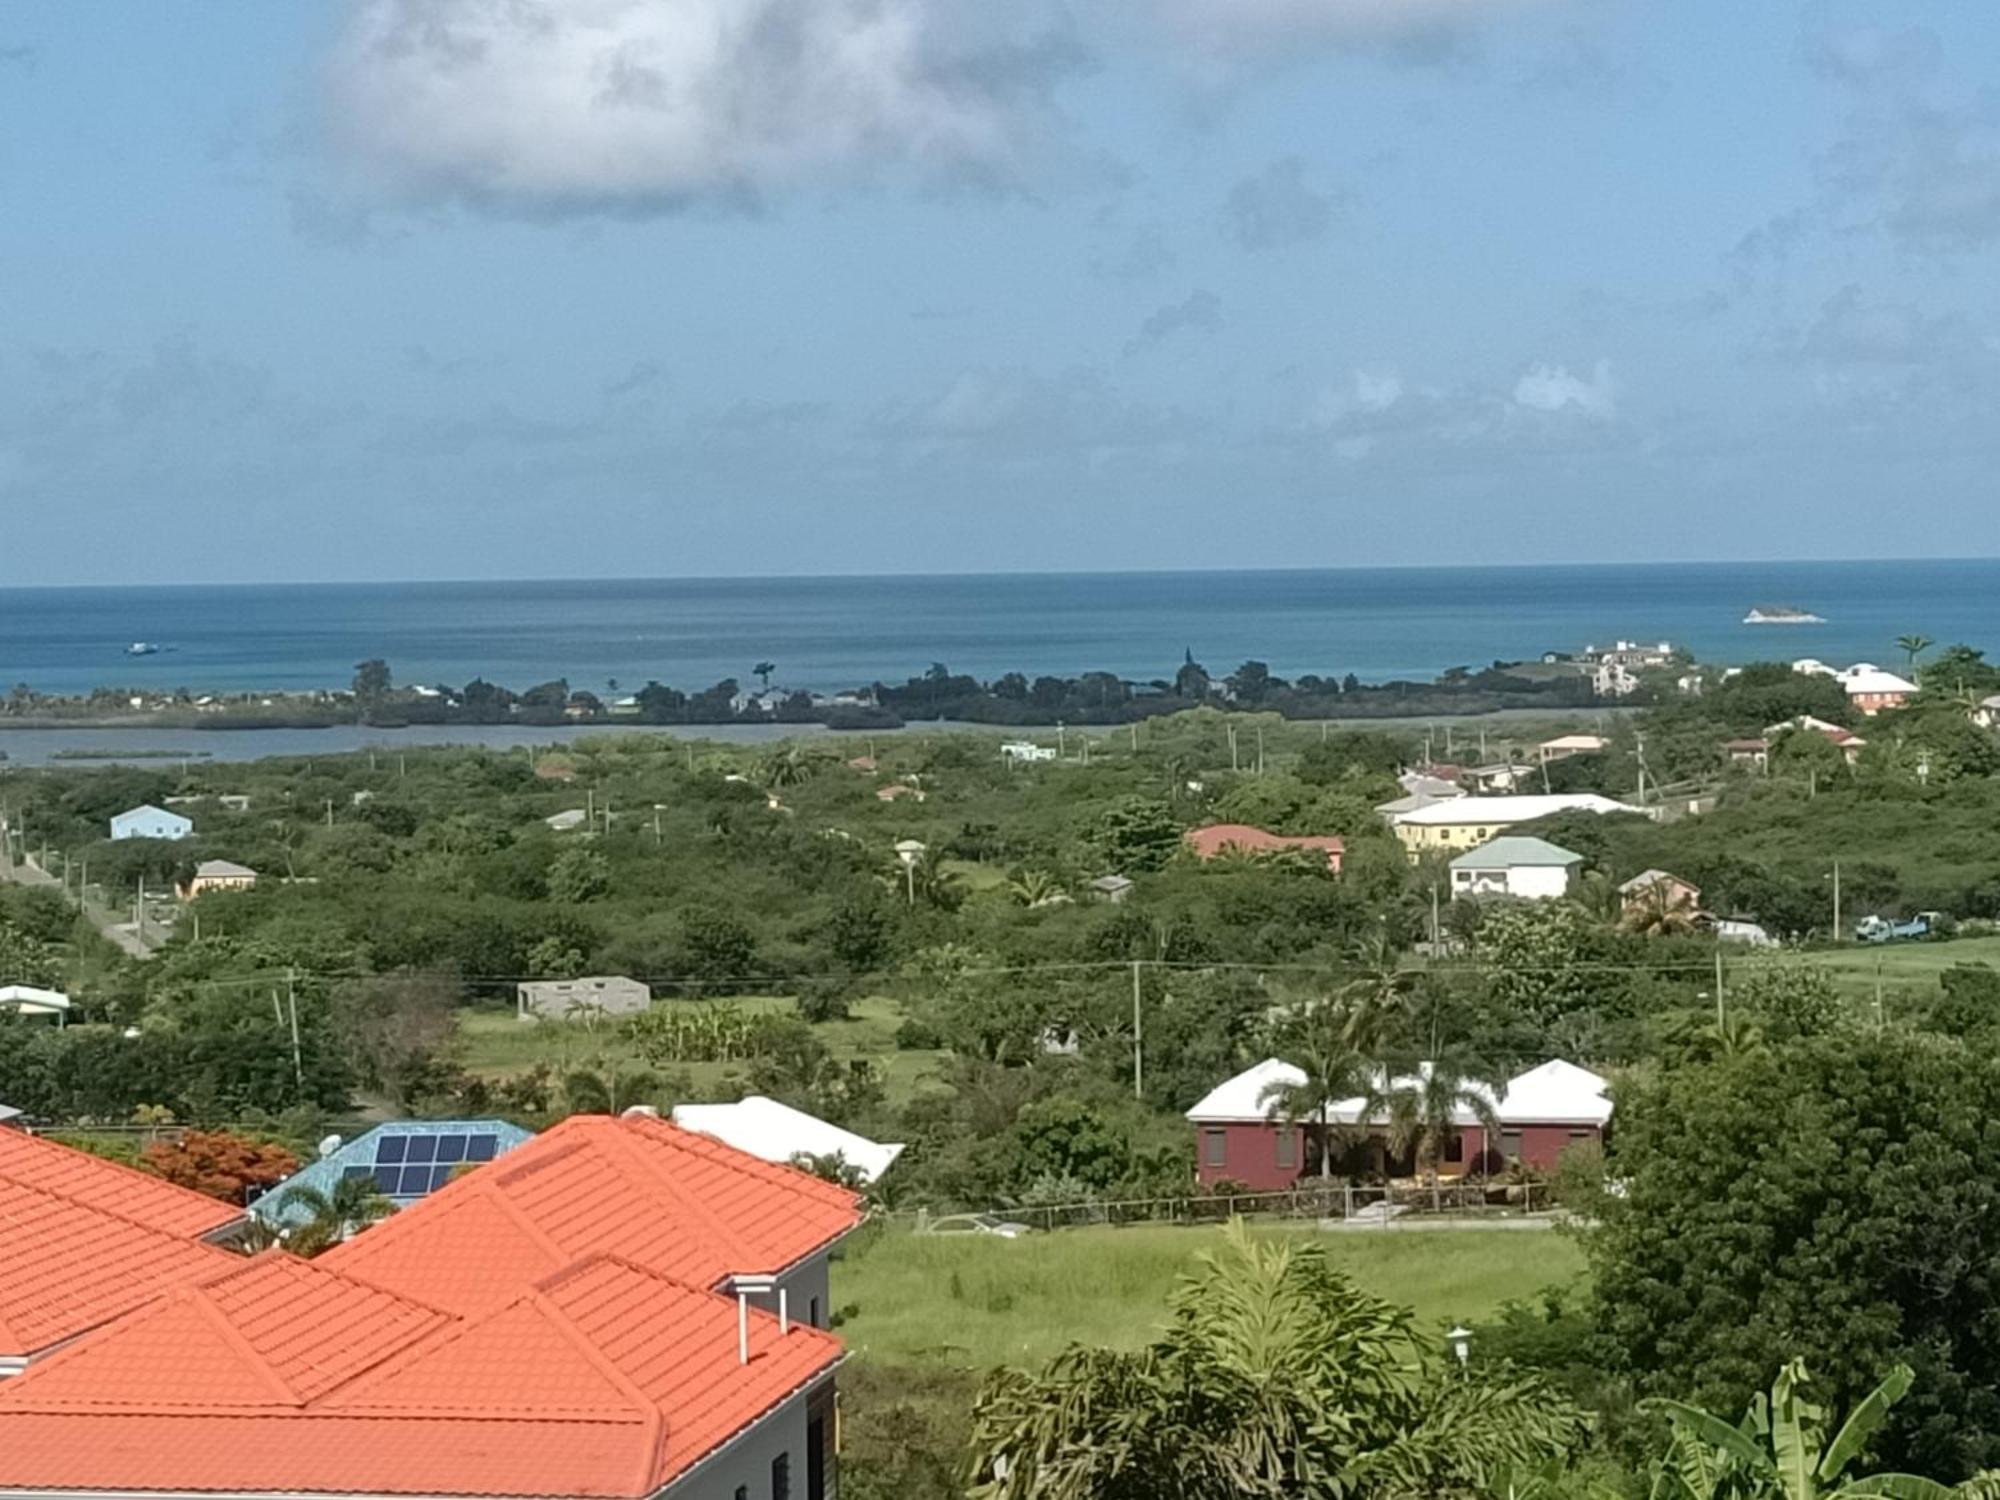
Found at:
[1423, 1109]
[1780, 1449]
[1317, 1040]
[1378, 997]
[1913, 646]
[762, 672]
[350, 1207]
[1036, 888]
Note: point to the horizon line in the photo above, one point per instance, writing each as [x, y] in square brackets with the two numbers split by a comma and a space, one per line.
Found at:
[1002, 573]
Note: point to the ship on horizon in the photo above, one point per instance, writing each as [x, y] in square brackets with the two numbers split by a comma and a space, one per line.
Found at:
[1780, 614]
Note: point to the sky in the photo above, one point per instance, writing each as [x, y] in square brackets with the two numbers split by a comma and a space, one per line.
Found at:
[406, 289]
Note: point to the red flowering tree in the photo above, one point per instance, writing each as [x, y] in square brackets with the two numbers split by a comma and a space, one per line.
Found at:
[219, 1163]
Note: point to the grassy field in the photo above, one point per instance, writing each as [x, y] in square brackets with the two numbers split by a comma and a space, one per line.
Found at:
[495, 1044]
[976, 1302]
[1903, 968]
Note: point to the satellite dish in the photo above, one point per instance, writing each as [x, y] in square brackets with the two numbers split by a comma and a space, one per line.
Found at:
[329, 1145]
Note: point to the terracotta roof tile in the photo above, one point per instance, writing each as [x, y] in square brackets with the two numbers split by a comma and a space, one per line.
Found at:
[604, 1380]
[680, 1204]
[108, 1185]
[66, 1267]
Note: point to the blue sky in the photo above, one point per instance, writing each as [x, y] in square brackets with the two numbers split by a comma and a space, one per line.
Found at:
[499, 288]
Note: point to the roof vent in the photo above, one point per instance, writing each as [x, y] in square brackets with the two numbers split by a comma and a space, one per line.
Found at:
[650, 1111]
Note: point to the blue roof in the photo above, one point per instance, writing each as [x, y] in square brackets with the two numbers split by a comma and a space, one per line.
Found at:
[407, 1159]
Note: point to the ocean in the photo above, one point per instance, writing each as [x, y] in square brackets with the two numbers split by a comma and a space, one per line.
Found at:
[832, 633]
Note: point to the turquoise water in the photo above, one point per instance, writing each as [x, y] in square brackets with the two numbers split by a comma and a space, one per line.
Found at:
[832, 633]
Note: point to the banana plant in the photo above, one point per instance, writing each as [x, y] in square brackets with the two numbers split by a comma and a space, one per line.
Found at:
[1779, 1450]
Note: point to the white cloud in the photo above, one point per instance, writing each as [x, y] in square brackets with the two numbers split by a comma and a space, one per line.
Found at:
[1552, 388]
[649, 104]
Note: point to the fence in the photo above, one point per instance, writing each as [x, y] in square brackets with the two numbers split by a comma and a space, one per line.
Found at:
[1349, 1204]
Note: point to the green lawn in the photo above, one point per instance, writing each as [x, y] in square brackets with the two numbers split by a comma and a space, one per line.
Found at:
[1903, 967]
[495, 1044]
[977, 1302]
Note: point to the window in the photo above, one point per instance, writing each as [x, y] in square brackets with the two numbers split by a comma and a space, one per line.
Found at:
[1510, 1144]
[1215, 1148]
[1455, 1148]
[812, 1313]
[781, 1477]
[1288, 1147]
[742, 1492]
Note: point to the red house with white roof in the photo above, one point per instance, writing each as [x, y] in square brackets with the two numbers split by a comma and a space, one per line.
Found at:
[1241, 1135]
[619, 1310]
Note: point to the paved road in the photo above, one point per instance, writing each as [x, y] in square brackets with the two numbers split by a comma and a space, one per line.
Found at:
[123, 933]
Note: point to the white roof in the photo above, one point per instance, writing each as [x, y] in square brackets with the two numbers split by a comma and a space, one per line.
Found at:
[1517, 852]
[777, 1132]
[8, 1112]
[1866, 679]
[31, 1000]
[1503, 810]
[1576, 742]
[1556, 1093]
[145, 809]
[223, 869]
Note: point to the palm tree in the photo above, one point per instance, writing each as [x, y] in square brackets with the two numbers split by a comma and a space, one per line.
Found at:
[1036, 888]
[1423, 1110]
[1318, 1040]
[1378, 997]
[791, 766]
[350, 1207]
[762, 672]
[1662, 910]
[1275, 1376]
[1913, 646]
[1780, 1448]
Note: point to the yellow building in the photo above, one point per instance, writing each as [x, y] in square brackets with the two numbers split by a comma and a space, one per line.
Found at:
[1467, 822]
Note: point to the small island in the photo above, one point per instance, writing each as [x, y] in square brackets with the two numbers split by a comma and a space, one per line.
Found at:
[1778, 614]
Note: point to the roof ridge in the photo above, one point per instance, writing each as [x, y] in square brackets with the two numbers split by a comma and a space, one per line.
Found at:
[233, 1336]
[778, 1174]
[723, 1237]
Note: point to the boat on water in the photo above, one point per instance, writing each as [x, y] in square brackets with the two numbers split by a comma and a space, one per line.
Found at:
[144, 648]
[1778, 614]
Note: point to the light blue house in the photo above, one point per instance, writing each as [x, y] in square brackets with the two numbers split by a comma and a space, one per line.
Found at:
[150, 822]
[406, 1159]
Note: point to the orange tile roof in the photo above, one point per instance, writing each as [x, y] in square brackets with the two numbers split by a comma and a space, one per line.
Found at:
[680, 1204]
[604, 1380]
[66, 1267]
[83, 1239]
[1209, 842]
[108, 1185]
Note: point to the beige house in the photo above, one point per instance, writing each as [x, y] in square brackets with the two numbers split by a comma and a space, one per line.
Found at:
[217, 875]
[558, 999]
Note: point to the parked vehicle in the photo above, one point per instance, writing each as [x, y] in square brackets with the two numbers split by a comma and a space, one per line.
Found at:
[992, 1224]
[1882, 930]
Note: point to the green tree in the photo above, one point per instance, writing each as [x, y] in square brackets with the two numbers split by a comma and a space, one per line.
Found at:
[1830, 1196]
[1133, 835]
[25, 959]
[1424, 1107]
[579, 874]
[372, 683]
[1276, 1377]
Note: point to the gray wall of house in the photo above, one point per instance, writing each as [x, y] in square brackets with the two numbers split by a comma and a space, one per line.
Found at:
[746, 1464]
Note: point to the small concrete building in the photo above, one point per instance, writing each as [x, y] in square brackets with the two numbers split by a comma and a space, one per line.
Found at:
[1112, 888]
[558, 999]
[33, 1000]
[217, 875]
[149, 822]
[1527, 869]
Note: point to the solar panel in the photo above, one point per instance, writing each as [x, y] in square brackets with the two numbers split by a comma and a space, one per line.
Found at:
[451, 1148]
[390, 1148]
[482, 1147]
[421, 1148]
[389, 1180]
[440, 1175]
[352, 1174]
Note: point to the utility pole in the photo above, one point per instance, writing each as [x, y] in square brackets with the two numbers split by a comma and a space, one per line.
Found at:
[1836, 900]
[1260, 749]
[1434, 920]
[1135, 736]
[139, 911]
[1718, 989]
[292, 1002]
[1138, 1035]
[1233, 766]
[329, 812]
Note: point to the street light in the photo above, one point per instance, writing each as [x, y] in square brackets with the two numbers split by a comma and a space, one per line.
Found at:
[909, 851]
[1461, 1343]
